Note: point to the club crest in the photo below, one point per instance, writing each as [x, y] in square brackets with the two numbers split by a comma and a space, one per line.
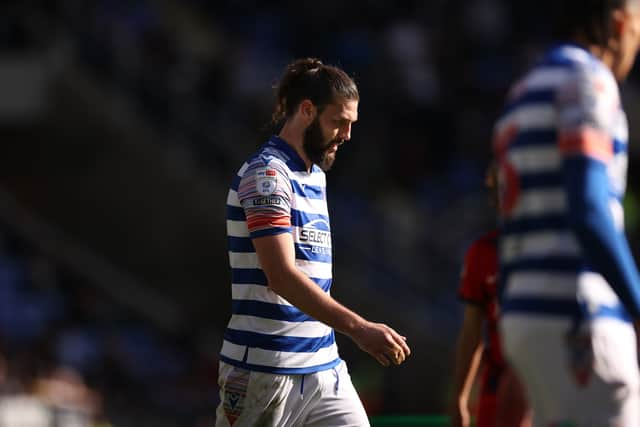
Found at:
[235, 392]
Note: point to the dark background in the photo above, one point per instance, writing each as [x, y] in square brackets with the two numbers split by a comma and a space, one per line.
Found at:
[121, 125]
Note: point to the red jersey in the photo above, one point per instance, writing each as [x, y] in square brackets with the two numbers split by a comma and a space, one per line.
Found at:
[478, 287]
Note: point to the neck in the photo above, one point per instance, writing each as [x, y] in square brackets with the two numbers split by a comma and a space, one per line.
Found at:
[605, 55]
[293, 134]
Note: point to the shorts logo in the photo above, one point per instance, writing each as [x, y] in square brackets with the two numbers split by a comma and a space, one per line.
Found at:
[235, 392]
[266, 181]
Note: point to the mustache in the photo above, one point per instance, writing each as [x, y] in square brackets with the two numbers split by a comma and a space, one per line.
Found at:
[336, 141]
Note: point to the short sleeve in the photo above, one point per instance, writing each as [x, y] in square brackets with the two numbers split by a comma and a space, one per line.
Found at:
[265, 195]
[587, 105]
[472, 277]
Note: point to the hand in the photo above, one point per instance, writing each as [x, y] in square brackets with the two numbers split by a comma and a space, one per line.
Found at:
[382, 342]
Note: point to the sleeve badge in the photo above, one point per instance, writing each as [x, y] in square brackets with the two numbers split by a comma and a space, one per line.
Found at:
[266, 181]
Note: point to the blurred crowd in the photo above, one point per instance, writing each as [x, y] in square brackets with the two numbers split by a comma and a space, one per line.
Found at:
[203, 73]
[72, 357]
[406, 194]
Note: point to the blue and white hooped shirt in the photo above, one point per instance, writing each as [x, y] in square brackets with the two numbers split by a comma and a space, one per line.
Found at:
[273, 193]
[566, 111]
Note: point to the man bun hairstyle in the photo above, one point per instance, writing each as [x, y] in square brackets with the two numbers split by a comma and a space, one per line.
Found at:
[309, 78]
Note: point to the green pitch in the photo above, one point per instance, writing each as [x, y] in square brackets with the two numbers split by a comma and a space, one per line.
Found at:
[410, 421]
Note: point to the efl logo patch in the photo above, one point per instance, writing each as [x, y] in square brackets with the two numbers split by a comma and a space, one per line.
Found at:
[235, 392]
[266, 181]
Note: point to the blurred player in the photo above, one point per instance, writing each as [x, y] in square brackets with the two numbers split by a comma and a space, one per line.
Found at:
[571, 287]
[279, 360]
[478, 291]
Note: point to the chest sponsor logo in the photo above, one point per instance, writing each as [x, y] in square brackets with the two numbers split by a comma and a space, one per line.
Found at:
[315, 237]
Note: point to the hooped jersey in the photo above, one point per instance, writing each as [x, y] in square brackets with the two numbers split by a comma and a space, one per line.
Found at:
[568, 106]
[273, 193]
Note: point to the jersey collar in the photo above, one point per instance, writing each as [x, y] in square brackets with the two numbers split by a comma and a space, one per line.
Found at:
[295, 161]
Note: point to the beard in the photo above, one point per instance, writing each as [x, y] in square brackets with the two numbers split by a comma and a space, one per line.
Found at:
[316, 148]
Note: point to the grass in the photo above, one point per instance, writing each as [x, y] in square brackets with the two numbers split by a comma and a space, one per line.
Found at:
[410, 421]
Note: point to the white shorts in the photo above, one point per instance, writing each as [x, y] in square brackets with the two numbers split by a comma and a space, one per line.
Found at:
[586, 379]
[321, 399]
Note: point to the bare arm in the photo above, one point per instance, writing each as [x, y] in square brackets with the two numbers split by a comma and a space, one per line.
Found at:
[468, 356]
[277, 258]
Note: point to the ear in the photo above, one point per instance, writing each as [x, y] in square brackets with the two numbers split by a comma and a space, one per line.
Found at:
[307, 111]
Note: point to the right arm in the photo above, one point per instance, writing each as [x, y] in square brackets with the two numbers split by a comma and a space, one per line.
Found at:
[468, 356]
[265, 194]
[277, 259]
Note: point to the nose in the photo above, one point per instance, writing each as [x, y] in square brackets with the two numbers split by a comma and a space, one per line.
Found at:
[345, 132]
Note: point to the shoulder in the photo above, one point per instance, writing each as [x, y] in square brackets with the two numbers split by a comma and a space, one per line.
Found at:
[479, 267]
[568, 65]
[554, 69]
[586, 73]
[590, 97]
[567, 55]
[483, 248]
[487, 241]
[268, 164]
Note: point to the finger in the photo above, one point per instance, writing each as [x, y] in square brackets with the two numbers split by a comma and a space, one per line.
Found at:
[400, 340]
[399, 358]
[402, 347]
[405, 347]
[399, 355]
[396, 356]
[382, 360]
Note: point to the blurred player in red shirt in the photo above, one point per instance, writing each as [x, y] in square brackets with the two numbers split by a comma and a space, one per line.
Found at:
[501, 401]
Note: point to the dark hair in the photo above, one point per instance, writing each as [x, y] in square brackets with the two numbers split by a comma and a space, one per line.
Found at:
[590, 19]
[310, 79]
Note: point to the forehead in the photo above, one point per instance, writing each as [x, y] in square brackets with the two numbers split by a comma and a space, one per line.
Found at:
[344, 110]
